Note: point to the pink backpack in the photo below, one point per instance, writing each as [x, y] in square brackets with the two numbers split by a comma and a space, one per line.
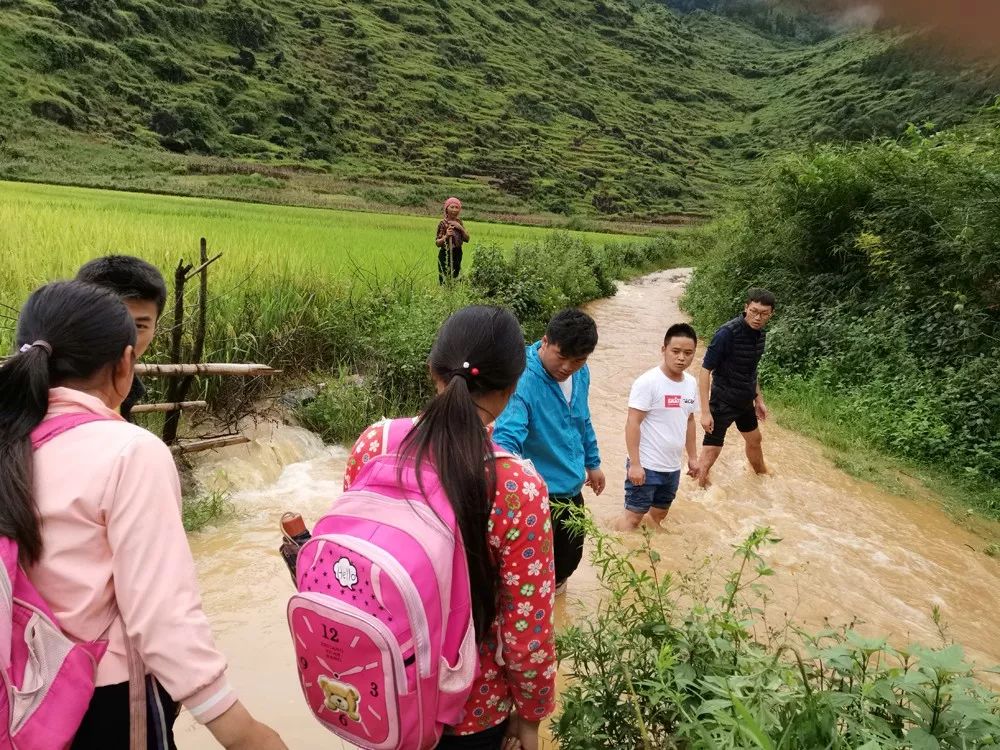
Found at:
[382, 624]
[48, 679]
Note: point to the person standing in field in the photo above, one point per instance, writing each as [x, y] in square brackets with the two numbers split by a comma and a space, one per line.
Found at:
[451, 235]
[728, 383]
[660, 427]
[141, 287]
[548, 422]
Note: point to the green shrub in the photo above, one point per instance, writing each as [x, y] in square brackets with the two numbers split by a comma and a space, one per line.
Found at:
[665, 664]
[246, 24]
[885, 259]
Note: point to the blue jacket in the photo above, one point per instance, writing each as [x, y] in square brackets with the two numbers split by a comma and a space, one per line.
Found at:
[556, 437]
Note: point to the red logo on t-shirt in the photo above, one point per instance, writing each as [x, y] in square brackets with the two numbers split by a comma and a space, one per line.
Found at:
[672, 402]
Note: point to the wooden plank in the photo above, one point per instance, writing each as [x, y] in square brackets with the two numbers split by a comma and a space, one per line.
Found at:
[204, 368]
[176, 406]
[196, 446]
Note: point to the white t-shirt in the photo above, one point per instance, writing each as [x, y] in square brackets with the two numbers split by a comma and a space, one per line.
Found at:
[566, 386]
[667, 404]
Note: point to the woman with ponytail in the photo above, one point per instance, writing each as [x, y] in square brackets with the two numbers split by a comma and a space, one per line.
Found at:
[95, 513]
[502, 509]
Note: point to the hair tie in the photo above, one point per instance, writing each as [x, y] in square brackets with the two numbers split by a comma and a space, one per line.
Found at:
[473, 371]
[42, 344]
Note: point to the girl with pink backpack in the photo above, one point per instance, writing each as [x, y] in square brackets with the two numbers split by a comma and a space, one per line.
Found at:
[501, 511]
[98, 585]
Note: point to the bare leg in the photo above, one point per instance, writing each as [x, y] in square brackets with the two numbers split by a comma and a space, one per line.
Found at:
[628, 521]
[709, 455]
[658, 516]
[755, 450]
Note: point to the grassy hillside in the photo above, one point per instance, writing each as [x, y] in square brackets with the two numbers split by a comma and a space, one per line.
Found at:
[567, 107]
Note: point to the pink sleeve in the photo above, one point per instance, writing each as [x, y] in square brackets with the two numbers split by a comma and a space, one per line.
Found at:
[155, 582]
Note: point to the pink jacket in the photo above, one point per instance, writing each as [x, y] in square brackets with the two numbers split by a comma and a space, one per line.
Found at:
[114, 547]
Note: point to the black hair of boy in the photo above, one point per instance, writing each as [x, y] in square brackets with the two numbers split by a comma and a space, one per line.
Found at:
[682, 330]
[574, 332]
[761, 297]
[128, 277]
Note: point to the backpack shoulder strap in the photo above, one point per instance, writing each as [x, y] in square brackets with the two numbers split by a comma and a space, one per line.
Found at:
[43, 433]
[56, 426]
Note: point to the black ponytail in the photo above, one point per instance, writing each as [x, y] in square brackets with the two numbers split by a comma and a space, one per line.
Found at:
[66, 330]
[478, 350]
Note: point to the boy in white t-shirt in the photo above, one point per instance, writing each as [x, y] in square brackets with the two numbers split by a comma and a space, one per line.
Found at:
[660, 427]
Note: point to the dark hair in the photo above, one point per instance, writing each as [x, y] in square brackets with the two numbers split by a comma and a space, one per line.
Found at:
[761, 297]
[573, 331]
[128, 277]
[680, 329]
[478, 350]
[81, 328]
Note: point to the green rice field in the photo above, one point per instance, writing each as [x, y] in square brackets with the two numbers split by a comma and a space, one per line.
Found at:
[289, 277]
[49, 231]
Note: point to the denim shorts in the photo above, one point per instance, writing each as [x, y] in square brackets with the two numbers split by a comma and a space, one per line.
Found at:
[658, 492]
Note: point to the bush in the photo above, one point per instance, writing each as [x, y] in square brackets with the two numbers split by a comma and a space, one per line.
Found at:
[245, 24]
[387, 329]
[885, 259]
[538, 279]
[665, 664]
[58, 111]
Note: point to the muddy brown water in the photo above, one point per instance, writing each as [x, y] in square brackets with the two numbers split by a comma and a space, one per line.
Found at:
[849, 550]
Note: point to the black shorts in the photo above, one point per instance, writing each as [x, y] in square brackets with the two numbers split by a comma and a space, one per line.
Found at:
[724, 414]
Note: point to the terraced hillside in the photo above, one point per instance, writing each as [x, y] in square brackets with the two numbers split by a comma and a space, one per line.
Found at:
[607, 108]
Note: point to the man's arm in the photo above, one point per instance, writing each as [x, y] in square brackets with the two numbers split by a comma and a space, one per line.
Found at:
[704, 389]
[691, 445]
[633, 432]
[511, 428]
[591, 453]
[759, 406]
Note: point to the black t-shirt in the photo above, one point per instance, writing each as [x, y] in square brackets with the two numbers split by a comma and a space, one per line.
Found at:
[136, 394]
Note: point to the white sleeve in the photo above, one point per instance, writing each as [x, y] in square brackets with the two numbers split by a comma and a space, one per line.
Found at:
[640, 396]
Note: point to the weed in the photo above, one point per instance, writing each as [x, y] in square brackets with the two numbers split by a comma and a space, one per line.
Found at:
[198, 511]
[666, 663]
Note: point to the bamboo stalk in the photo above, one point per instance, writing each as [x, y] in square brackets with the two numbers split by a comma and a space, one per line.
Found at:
[205, 263]
[204, 368]
[209, 444]
[175, 406]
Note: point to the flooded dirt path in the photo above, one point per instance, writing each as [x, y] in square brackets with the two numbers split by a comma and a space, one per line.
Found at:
[849, 549]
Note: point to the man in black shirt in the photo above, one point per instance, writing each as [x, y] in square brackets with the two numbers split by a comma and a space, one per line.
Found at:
[144, 292]
[729, 374]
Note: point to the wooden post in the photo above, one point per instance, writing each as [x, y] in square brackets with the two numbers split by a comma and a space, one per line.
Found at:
[176, 339]
[199, 332]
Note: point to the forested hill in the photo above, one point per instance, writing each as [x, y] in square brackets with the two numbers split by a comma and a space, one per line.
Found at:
[599, 107]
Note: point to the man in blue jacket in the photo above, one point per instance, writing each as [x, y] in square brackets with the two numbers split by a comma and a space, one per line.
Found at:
[548, 422]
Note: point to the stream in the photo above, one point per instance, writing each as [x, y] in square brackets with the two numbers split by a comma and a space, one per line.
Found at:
[850, 550]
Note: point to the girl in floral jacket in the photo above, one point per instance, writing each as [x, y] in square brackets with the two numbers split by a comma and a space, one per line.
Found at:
[503, 513]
